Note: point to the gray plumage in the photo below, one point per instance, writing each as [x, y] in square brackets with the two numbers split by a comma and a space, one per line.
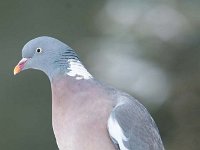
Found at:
[136, 123]
[87, 114]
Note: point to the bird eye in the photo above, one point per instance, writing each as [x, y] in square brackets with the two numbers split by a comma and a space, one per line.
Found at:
[38, 50]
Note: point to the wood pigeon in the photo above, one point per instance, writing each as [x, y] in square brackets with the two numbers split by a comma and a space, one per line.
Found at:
[87, 114]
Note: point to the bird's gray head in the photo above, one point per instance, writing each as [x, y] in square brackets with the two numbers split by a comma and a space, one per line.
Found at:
[52, 57]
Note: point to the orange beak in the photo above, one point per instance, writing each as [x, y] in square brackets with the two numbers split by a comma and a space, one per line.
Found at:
[18, 68]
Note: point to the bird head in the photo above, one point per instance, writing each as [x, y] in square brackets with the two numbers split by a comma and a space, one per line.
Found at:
[51, 56]
[46, 54]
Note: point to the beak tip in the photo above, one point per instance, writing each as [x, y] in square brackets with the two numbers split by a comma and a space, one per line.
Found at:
[17, 69]
[14, 73]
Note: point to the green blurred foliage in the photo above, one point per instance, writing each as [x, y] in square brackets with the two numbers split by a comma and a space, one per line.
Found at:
[109, 36]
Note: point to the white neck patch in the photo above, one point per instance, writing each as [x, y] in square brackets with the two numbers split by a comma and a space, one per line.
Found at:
[77, 70]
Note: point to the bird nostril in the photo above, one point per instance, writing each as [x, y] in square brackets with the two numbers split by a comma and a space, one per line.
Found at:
[22, 61]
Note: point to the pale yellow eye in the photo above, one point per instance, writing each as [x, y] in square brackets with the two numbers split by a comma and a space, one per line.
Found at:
[38, 50]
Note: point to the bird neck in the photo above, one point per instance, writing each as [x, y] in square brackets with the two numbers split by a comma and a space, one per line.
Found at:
[70, 79]
[77, 70]
[71, 68]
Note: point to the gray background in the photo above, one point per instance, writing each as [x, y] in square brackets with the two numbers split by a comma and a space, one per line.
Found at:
[148, 48]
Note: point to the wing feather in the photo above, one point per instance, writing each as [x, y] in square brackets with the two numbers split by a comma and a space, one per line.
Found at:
[132, 127]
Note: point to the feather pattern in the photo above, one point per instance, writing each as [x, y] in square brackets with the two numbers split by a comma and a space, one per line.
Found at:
[132, 127]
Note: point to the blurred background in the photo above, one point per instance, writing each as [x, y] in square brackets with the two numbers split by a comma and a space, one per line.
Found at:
[148, 48]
